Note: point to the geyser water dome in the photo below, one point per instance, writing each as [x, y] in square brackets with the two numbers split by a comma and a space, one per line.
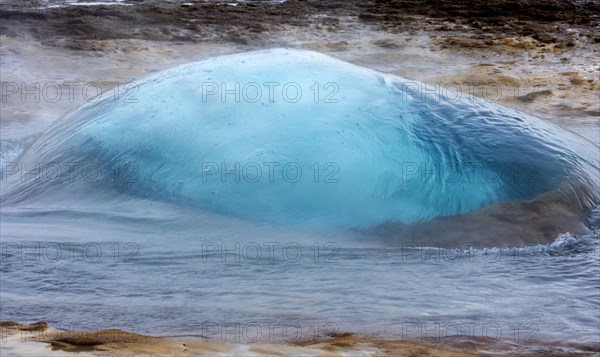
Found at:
[297, 137]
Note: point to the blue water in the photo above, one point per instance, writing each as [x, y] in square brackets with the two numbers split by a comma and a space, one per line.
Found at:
[327, 144]
[146, 212]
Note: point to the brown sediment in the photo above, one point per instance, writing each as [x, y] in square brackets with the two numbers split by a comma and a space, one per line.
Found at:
[15, 326]
[123, 343]
[116, 342]
[525, 44]
[342, 341]
[108, 342]
[544, 21]
[530, 97]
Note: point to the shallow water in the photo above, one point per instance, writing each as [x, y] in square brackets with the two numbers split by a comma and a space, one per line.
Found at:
[233, 282]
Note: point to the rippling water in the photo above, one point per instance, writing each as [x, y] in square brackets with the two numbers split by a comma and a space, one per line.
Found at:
[144, 274]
